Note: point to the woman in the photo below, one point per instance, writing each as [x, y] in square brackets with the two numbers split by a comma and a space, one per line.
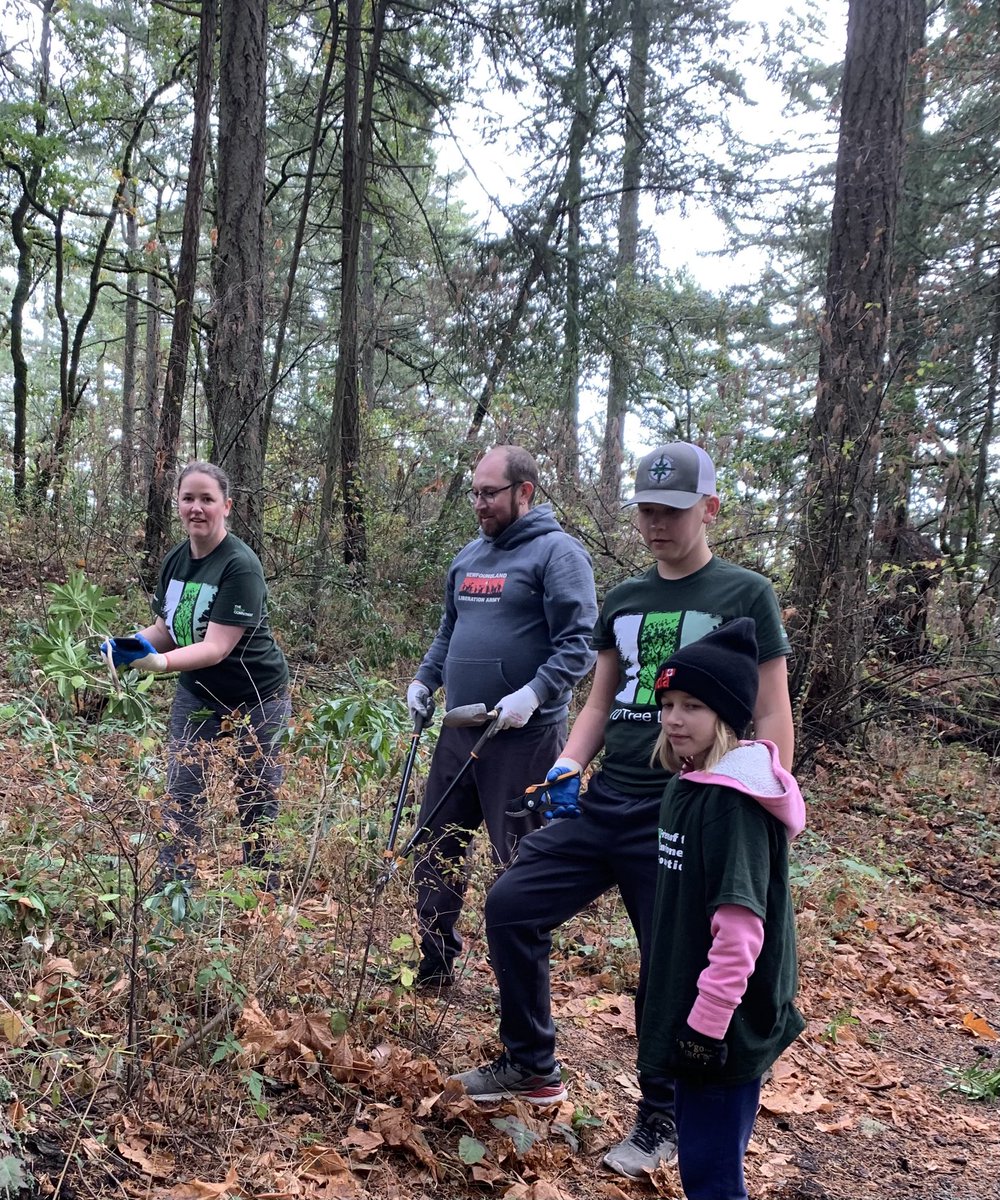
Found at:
[211, 626]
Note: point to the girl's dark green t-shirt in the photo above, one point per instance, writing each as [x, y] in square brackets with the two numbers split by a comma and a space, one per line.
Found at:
[718, 846]
[226, 586]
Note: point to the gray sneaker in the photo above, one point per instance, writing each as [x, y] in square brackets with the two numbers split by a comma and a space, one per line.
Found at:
[651, 1143]
[503, 1078]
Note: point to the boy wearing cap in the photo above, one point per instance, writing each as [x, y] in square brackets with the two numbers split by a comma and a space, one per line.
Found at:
[563, 867]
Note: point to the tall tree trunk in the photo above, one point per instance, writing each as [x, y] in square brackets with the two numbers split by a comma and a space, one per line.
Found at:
[895, 469]
[356, 143]
[129, 352]
[52, 465]
[568, 442]
[151, 369]
[22, 235]
[620, 367]
[164, 458]
[832, 615]
[315, 144]
[541, 252]
[237, 394]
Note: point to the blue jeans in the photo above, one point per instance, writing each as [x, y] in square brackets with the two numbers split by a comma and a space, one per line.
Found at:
[197, 725]
[714, 1124]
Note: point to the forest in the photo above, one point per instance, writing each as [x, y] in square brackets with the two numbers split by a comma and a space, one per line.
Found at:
[341, 249]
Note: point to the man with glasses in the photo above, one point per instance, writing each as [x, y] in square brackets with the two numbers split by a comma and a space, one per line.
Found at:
[519, 611]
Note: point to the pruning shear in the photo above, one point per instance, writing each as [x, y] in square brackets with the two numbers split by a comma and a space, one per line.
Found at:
[534, 797]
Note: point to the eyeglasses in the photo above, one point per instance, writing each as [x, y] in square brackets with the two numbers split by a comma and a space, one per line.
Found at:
[487, 495]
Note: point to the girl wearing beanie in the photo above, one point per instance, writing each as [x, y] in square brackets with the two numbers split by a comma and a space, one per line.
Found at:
[722, 959]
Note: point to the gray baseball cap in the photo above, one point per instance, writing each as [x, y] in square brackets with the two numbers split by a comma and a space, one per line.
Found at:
[677, 475]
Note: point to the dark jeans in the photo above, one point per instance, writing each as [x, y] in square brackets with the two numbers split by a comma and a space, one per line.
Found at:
[714, 1124]
[507, 764]
[557, 872]
[197, 726]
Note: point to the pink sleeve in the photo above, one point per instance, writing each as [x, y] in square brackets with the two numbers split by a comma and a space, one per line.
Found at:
[737, 936]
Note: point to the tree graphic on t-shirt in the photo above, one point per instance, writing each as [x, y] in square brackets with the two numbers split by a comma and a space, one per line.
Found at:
[184, 614]
[658, 639]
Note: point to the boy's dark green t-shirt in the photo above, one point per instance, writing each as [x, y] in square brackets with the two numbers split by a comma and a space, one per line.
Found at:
[718, 846]
[226, 586]
[648, 618]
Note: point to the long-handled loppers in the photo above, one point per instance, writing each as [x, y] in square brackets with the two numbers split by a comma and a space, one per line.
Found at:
[468, 715]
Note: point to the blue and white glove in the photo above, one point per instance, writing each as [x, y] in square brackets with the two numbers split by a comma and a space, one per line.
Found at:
[562, 799]
[514, 711]
[419, 701]
[135, 652]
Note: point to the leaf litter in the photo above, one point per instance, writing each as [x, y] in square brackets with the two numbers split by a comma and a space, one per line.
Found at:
[895, 888]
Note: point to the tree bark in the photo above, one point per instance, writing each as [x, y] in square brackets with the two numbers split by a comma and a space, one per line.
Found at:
[567, 453]
[151, 369]
[620, 368]
[345, 425]
[164, 457]
[831, 613]
[315, 144]
[237, 393]
[22, 236]
[129, 353]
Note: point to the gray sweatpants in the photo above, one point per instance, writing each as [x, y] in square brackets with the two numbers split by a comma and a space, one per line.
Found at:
[197, 727]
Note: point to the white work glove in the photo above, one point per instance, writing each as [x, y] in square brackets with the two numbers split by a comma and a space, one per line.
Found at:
[514, 711]
[419, 701]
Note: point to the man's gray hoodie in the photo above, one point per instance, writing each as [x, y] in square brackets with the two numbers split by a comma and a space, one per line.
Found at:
[519, 609]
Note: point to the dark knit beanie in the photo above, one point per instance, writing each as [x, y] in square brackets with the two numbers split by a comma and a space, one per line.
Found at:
[720, 670]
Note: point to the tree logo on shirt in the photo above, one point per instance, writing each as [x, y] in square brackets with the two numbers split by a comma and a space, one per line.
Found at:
[187, 609]
[644, 640]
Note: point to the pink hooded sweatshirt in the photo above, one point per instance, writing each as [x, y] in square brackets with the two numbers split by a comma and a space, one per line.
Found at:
[752, 768]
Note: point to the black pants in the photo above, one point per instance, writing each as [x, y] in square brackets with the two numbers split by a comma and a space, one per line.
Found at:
[557, 872]
[507, 764]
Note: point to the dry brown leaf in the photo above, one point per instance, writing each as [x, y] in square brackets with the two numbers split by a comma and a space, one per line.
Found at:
[362, 1142]
[197, 1189]
[785, 1101]
[14, 1027]
[612, 1190]
[485, 1173]
[978, 1027]
[254, 1031]
[323, 1163]
[398, 1130]
[157, 1165]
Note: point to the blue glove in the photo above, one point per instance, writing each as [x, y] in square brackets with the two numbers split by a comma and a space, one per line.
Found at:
[136, 652]
[563, 797]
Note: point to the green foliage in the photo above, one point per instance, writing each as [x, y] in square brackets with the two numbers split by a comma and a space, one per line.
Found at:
[12, 1177]
[980, 1081]
[361, 729]
[77, 683]
[471, 1150]
[522, 1137]
[837, 1022]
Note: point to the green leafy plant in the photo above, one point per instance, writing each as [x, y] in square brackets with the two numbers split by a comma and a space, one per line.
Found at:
[360, 730]
[980, 1081]
[842, 1020]
[79, 614]
[522, 1137]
